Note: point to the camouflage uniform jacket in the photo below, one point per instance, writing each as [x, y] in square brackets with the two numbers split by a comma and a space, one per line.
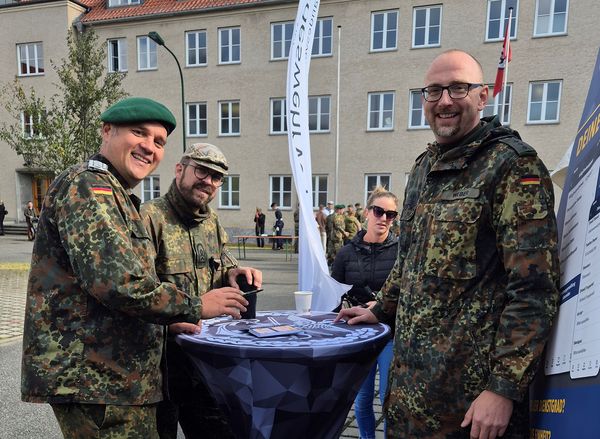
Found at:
[351, 225]
[474, 288]
[94, 302]
[338, 228]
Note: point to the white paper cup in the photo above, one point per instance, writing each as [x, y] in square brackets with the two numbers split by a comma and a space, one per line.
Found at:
[303, 301]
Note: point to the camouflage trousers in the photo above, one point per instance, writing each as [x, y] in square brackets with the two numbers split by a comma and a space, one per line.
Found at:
[99, 421]
[333, 247]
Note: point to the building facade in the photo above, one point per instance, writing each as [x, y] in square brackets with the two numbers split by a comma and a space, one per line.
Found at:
[233, 56]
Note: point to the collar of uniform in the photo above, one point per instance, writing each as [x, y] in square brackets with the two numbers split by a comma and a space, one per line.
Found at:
[99, 157]
[189, 216]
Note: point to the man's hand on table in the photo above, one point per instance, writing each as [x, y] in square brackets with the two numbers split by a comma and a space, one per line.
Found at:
[226, 300]
[356, 315]
[488, 415]
[253, 276]
[185, 328]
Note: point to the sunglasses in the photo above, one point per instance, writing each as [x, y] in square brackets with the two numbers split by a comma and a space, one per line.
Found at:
[379, 212]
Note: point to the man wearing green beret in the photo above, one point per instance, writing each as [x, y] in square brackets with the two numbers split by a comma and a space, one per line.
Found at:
[191, 253]
[93, 340]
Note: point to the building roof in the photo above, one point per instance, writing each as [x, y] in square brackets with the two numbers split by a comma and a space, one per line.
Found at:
[100, 12]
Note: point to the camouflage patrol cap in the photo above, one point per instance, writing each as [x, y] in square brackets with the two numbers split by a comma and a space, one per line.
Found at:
[139, 110]
[209, 156]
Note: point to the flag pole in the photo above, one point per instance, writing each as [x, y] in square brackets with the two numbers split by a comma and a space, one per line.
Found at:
[507, 52]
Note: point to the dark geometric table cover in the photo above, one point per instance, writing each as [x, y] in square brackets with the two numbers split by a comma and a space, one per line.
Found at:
[293, 386]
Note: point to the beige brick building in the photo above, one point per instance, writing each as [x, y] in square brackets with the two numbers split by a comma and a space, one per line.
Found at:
[233, 56]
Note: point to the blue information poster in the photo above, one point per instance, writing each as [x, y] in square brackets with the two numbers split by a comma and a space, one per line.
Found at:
[565, 397]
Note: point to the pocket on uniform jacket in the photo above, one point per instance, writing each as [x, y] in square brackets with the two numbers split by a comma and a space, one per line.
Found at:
[174, 265]
[450, 251]
[533, 229]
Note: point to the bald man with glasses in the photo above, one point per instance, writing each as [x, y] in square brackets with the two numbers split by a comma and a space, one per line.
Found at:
[474, 289]
[190, 244]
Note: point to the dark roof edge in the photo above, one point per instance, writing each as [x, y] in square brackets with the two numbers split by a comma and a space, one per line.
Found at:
[185, 12]
[37, 2]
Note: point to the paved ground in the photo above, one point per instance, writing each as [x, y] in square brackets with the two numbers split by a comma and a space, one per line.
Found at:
[26, 421]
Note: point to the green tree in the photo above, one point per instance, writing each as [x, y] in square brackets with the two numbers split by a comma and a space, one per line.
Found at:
[64, 129]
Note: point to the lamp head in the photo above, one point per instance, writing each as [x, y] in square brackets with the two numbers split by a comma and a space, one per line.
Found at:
[154, 36]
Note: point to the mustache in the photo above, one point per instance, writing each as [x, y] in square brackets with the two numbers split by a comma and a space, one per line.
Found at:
[201, 186]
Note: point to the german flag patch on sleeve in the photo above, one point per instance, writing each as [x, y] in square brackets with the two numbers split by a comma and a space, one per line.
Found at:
[530, 180]
[102, 190]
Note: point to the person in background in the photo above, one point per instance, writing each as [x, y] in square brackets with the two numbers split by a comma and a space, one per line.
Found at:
[321, 218]
[93, 335]
[277, 227]
[30, 219]
[365, 263]
[474, 290]
[351, 224]
[336, 232]
[359, 212]
[191, 253]
[259, 227]
[296, 227]
[329, 210]
[3, 213]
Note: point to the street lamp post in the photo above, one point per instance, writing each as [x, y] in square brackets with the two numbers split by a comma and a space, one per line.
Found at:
[154, 36]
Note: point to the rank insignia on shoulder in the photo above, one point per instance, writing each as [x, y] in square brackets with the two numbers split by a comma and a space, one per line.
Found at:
[102, 190]
[98, 165]
[529, 180]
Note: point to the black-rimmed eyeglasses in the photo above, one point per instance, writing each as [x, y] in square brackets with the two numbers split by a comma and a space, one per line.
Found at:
[434, 93]
[216, 178]
[379, 212]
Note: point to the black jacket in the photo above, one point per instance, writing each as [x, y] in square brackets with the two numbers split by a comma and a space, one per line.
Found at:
[376, 259]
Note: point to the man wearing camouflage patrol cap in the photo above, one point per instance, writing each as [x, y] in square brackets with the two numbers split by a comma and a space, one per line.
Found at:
[190, 243]
[92, 341]
[474, 289]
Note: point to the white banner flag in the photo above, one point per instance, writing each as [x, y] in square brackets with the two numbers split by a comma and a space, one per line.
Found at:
[313, 274]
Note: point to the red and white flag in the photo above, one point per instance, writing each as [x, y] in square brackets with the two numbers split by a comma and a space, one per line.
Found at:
[505, 57]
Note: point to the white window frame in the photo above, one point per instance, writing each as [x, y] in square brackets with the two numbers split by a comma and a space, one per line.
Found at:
[37, 62]
[316, 180]
[197, 122]
[320, 113]
[117, 3]
[503, 18]
[428, 27]
[287, 29]
[28, 127]
[120, 56]
[495, 103]
[552, 16]
[282, 116]
[147, 56]
[196, 50]
[152, 191]
[227, 189]
[320, 37]
[386, 15]
[380, 95]
[544, 102]
[230, 118]
[416, 97]
[378, 177]
[230, 31]
[283, 181]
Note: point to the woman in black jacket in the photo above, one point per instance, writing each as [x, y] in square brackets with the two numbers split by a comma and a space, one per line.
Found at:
[365, 263]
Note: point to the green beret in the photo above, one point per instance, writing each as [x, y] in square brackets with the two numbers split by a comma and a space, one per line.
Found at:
[133, 110]
[209, 156]
[340, 206]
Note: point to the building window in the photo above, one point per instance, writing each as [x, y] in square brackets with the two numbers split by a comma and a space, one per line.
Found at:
[374, 180]
[416, 118]
[150, 188]
[318, 113]
[196, 119]
[495, 106]
[281, 39]
[195, 48]
[113, 3]
[229, 117]
[229, 197]
[281, 190]
[544, 102]
[117, 55]
[384, 30]
[550, 17]
[323, 37]
[427, 24]
[497, 16]
[319, 191]
[29, 126]
[278, 116]
[229, 45]
[381, 111]
[30, 58]
[146, 54]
